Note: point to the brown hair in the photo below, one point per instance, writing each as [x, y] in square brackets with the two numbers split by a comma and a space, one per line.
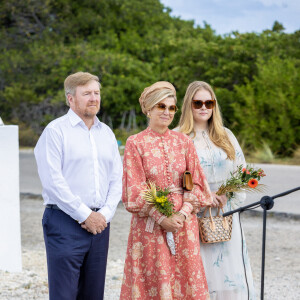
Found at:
[216, 128]
[77, 79]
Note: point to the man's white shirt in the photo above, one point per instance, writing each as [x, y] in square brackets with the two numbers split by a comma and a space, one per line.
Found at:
[79, 168]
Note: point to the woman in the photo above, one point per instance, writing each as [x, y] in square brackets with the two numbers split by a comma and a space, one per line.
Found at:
[161, 156]
[227, 269]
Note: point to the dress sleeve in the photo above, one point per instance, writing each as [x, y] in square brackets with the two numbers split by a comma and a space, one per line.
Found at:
[201, 194]
[238, 198]
[134, 182]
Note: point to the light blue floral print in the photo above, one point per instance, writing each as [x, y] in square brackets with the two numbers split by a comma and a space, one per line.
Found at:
[224, 262]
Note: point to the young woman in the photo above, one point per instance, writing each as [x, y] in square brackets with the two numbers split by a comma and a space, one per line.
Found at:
[161, 156]
[226, 265]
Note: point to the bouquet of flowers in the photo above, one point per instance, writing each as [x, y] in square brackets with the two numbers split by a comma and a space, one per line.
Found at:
[243, 179]
[159, 198]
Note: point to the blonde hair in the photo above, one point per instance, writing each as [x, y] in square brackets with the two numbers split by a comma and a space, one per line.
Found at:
[216, 128]
[78, 79]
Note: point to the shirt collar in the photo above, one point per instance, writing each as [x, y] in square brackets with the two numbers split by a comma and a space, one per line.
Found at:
[156, 134]
[75, 119]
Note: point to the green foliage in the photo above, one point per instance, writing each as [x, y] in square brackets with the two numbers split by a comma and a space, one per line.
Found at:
[162, 203]
[27, 137]
[242, 180]
[268, 108]
[130, 44]
[122, 135]
[264, 154]
[277, 27]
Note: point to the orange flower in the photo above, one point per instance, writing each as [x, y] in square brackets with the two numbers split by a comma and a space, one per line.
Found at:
[245, 170]
[252, 183]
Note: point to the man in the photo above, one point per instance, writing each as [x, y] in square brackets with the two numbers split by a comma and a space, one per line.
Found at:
[81, 172]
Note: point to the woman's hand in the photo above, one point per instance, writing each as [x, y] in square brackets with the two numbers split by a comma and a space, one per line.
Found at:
[173, 223]
[219, 201]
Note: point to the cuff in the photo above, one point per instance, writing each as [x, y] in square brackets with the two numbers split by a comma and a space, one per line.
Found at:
[186, 209]
[156, 215]
[144, 211]
[105, 211]
[82, 213]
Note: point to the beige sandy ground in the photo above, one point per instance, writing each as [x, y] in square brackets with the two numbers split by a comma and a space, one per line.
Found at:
[282, 262]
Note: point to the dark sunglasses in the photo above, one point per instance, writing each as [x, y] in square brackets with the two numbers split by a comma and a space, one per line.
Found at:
[209, 104]
[162, 107]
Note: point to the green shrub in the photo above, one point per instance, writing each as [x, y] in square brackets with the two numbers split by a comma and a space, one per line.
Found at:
[268, 108]
[122, 135]
[27, 136]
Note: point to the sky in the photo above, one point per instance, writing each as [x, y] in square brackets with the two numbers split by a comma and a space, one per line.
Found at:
[225, 16]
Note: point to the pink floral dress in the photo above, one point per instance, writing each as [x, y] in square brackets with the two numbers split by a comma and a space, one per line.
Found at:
[151, 271]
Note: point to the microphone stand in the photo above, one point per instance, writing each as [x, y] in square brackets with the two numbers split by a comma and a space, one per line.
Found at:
[266, 202]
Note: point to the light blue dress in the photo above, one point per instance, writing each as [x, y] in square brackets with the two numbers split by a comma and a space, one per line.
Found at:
[225, 266]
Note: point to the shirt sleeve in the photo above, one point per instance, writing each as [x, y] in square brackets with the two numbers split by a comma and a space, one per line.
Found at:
[238, 198]
[115, 187]
[49, 157]
[201, 194]
[134, 183]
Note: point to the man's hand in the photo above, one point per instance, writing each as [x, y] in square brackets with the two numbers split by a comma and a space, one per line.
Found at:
[173, 223]
[95, 223]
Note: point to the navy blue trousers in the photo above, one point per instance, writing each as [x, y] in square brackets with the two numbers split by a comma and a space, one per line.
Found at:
[76, 259]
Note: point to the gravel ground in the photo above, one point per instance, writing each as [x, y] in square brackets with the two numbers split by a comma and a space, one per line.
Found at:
[282, 272]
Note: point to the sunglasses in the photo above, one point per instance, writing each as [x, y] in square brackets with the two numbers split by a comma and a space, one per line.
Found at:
[162, 107]
[209, 104]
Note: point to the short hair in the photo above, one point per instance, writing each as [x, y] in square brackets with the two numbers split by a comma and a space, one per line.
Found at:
[78, 79]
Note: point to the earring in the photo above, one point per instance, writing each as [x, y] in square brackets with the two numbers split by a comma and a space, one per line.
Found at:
[148, 115]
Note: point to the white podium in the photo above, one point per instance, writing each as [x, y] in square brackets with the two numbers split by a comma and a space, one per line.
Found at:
[10, 229]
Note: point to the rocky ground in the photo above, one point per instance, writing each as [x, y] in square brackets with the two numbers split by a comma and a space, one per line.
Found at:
[282, 256]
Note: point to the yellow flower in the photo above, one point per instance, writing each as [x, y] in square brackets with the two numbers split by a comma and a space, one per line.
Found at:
[161, 199]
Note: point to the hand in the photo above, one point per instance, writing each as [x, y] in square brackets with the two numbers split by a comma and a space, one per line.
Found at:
[222, 200]
[173, 223]
[219, 201]
[181, 216]
[95, 223]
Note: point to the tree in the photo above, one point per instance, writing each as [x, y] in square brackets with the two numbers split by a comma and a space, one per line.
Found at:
[268, 108]
[131, 44]
[277, 27]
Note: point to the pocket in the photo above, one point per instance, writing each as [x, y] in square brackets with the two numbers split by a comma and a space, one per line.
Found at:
[51, 222]
[45, 217]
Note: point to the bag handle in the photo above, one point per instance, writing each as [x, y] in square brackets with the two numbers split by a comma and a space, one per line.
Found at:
[209, 207]
[212, 223]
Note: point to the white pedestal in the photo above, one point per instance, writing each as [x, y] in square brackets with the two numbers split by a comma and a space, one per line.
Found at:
[10, 229]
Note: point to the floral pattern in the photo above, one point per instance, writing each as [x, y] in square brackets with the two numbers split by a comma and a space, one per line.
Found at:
[151, 271]
[224, 262]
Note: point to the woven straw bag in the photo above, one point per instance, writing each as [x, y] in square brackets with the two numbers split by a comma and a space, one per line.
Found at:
[215, 229]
